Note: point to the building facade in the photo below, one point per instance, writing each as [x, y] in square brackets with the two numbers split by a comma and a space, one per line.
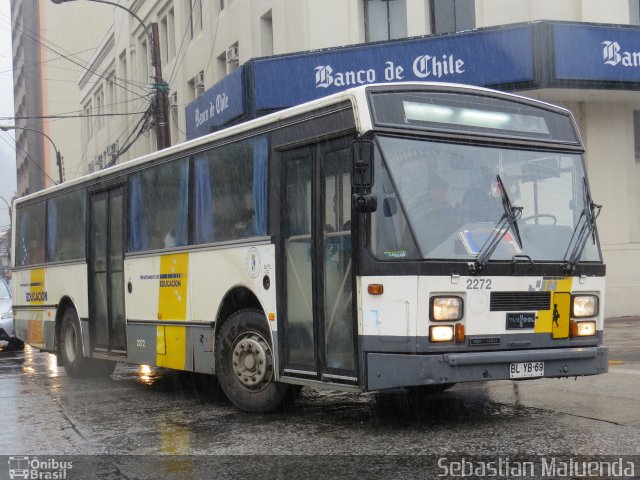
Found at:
[47, 56]
[203, 43]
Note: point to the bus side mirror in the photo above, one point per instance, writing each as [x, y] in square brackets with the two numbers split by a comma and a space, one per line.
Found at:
[365, 203]
[362, 176]
[362, 164]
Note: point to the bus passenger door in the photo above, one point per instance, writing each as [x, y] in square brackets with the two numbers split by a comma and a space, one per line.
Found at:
[318, 338]
[106, 272]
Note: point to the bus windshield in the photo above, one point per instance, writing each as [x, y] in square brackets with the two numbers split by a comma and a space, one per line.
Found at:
[442, 201]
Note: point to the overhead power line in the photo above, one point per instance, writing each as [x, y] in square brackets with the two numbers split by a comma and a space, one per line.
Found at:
[35, 37]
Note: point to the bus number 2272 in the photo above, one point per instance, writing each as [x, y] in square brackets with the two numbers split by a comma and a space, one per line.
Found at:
[478, 284]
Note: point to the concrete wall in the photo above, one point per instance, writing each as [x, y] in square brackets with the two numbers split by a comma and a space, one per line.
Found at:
[615, 184]
[499, 12]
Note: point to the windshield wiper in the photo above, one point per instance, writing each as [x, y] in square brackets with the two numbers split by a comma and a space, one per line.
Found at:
[585, 227]
[508, 220]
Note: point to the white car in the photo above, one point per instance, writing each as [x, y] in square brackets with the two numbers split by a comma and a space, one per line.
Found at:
[7, 336]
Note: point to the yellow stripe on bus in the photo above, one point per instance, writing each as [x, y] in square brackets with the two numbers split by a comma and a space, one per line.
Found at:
[172, 300]
[171, 341]
[37, 291]
[544, 322]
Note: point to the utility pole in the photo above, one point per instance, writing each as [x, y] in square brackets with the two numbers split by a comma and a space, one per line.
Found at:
[161, 87]
[163, 134]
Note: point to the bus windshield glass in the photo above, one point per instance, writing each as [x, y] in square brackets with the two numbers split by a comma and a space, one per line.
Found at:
[442, 201]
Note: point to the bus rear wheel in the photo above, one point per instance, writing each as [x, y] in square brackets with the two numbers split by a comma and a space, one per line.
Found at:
[245, 363]
[74, 361]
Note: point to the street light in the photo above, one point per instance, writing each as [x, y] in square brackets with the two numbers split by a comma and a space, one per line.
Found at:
[4, 128]
[163, 139]
[7, 204]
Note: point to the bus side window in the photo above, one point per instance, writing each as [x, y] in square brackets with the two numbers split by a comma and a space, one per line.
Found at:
[30, 238]
[65, 219]
[158, 199]
[231, 191]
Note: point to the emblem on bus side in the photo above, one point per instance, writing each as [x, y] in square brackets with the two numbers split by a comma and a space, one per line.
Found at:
[253, 262]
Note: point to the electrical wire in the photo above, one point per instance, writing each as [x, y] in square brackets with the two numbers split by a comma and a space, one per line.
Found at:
[213, 46]
[36, 38]
[188, 28]
[28, 157]
[72, 116]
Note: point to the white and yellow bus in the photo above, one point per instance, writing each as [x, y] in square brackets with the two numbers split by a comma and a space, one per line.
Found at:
[402, 235]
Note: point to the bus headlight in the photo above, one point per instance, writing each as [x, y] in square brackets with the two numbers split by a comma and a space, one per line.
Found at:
[445, 309]
[441, 333]
[584, 306]
[583, 329]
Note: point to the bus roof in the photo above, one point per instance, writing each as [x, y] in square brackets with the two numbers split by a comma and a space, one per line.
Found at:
[356, 95]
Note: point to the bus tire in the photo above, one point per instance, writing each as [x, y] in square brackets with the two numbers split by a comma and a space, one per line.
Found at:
[71, 344]
[75, 363]
[245, 364]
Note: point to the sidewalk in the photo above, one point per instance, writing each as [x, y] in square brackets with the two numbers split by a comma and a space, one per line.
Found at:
[630, 319]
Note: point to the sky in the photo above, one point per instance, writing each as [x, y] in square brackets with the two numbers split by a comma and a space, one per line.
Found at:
[7, 145]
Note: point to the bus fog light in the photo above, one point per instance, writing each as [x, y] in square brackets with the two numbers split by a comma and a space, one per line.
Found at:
[441, 333]
[584, 306]
[583, 329]
[445, 309]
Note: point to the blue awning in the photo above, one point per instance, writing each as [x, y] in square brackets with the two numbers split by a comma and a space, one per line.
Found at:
[515, 57]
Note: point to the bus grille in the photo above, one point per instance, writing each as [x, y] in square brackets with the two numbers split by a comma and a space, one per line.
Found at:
[520, 301]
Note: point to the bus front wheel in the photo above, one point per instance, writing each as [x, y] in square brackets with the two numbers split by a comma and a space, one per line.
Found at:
[75, 363]
[245, 363]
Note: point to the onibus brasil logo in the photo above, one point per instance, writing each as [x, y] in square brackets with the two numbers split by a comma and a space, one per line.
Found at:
[37, 469]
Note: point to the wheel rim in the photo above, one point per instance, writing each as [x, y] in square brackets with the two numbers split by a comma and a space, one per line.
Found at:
[252, 361]
[70, 343]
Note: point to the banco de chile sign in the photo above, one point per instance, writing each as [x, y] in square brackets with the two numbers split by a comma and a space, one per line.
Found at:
[424, 66]
[567, 54]
[614, 55]
[479, 58]
[597, 53]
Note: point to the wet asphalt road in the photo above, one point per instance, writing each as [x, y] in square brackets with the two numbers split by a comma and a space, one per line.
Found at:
[143, 411]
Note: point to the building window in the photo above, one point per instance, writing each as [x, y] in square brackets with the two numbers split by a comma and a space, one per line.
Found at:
[124, 78]
[385, 19]
[193, 9]
[88, 123]
[144, 61]
[112, 96]
[452, 15]
[232, 57]
[167, 37]
[99, 108]
[634, 12]
[636, 133]
[196, 86]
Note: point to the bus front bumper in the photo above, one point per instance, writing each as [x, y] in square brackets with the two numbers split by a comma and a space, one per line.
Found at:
[390, 370]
